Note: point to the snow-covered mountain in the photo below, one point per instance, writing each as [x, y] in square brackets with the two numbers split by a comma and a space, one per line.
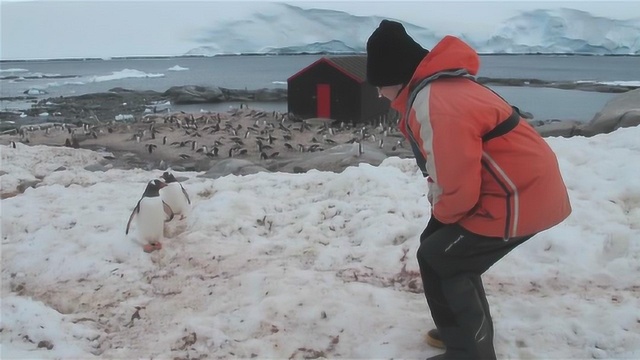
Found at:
[287, 29]
[565, 31]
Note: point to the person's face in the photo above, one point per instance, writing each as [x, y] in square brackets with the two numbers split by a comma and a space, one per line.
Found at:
[390, 92]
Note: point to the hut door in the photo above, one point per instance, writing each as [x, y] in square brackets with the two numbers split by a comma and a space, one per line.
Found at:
[323, 95]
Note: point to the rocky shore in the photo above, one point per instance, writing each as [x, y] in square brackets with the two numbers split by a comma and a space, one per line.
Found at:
[242, 141]
[128, 103]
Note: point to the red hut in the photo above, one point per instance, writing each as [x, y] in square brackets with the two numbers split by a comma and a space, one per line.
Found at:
[335, 87]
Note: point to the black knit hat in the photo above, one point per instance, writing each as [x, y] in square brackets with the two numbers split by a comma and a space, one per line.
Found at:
[392, 55]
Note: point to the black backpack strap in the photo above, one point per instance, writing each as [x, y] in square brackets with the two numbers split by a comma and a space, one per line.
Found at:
[504, 127]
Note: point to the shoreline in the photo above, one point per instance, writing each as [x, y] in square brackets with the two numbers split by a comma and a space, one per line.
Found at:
[138, 103]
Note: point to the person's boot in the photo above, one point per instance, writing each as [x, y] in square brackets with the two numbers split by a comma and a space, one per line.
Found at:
[433, 339]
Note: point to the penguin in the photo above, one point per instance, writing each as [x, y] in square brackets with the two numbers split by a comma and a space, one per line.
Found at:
[150, 147]
[150, 214]
[164, 140]
[13, 144]
[175, 195]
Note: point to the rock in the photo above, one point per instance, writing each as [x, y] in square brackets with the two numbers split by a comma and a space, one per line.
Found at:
[629, 119]
[255, 95]
[566, 85]
[192, 94]
[337, 158]
[61, 168]
[45, 344]
[25, 184]
[621, 111]
[232, 166]
[96, 167]
[564, 128]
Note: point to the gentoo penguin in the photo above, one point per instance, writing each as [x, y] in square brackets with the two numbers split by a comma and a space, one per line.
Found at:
[150, 216]
[175, 195]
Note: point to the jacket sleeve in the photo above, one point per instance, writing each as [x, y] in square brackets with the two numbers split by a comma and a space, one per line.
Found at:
[456, 166]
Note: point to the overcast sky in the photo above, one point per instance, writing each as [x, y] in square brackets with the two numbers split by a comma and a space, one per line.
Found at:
[49, 29]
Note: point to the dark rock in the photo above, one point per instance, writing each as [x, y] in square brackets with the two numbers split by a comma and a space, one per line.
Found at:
[191, 94]
[337, 158]
[565, 128]
[25, 184]
[565, 85]
[45, 344]
[96, 167]
[232, 166]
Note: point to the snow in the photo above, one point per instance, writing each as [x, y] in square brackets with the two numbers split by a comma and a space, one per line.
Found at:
[177, 68]
[212, 27]
[123, 74]
[278, 265]
[13, 70]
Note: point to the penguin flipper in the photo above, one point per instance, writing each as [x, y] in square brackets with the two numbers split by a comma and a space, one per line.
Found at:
[185, 194]
[168, 211]
[135, 211]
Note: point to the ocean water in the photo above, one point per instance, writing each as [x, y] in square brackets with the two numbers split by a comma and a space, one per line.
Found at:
[75, 77]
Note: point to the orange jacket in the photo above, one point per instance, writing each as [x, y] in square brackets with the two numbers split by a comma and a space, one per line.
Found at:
[506, 187]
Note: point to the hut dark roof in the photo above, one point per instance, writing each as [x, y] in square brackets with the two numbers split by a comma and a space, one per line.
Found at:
[354, 66]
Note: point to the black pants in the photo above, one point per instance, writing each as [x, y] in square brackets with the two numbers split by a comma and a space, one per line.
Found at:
[451, 261]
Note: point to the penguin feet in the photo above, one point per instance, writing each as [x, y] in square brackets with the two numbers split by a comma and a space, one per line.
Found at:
[151, 247]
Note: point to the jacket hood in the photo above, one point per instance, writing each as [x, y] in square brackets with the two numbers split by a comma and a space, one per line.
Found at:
[448, 54]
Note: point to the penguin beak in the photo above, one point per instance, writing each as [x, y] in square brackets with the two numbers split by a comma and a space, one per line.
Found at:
[161, 184]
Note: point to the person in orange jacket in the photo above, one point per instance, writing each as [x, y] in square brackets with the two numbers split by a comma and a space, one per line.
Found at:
[493, 181]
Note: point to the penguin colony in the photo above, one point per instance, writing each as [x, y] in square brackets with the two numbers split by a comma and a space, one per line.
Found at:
[161, 200]
[254, 135]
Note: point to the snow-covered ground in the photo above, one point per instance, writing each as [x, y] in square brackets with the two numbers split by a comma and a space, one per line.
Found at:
[321, 264]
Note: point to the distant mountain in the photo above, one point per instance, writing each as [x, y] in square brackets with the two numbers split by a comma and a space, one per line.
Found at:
[281, 28]
[286, 29]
